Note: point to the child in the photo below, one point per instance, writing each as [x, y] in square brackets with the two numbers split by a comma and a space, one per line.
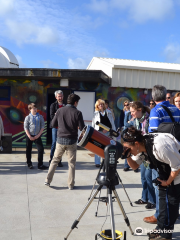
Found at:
[34, 126]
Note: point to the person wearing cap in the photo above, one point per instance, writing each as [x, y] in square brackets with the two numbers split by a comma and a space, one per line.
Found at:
[68, 119]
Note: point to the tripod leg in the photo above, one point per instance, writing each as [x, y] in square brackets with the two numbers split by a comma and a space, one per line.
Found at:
[123, 212]
[98, 204]
[111, 214]
[84, 210]
[124, 188]
[102, 164]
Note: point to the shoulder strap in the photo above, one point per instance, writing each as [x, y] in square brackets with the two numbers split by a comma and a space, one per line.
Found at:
[169, 112]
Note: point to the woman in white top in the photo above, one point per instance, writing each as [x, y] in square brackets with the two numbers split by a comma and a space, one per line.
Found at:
[105, 117]
[162, 152]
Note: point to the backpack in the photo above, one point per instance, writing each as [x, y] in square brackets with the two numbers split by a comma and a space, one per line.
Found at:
[169, 127]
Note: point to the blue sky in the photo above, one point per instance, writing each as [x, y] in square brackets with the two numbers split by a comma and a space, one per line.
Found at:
[68, 33]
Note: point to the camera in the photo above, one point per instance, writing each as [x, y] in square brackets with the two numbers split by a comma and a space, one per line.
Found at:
[156, 182]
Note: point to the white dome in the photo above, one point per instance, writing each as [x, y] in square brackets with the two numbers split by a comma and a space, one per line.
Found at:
[7, 59]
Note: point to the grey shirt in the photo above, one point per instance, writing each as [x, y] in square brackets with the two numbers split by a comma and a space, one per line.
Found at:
[34, 124]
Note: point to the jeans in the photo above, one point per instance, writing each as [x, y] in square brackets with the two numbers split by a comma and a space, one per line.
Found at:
[97, 159]
[54, 138]
[126, 165]
[148, 192]
[40, 148]
[168, 209]
[71, 152]
[154, 176]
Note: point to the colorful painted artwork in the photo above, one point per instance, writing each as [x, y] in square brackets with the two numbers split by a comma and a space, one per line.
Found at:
[13, 109]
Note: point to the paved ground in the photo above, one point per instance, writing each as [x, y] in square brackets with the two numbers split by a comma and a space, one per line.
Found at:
[31, 211]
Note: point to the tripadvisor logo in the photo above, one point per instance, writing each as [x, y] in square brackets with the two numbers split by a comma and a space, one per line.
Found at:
[138, 231]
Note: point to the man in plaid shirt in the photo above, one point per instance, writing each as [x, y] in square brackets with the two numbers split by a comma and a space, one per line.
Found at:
[68, 119]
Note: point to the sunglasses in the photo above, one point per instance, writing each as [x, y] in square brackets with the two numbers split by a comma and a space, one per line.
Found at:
[151, 104]
[168, 97]
[126, 105]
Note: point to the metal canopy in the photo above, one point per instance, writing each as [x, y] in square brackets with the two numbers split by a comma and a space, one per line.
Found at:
[55, 74]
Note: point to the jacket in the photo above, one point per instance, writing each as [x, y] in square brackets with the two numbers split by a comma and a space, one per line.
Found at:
[34, 124]
[96, 118]
[68, 119]
[53, 109]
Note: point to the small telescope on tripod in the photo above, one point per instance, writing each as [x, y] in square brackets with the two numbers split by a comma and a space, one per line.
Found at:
[110, 150]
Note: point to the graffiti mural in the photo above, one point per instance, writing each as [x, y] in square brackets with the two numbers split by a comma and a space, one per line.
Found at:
[15, 95]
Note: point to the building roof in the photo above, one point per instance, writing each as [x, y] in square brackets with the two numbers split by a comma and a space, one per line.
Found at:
[7, 59]
[55, 74]
[136, 64]
[138, 74]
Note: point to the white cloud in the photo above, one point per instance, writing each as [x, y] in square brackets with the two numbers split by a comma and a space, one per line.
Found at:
[77, 63]
[41, 22]
[21, 64]
[7, 7]
[101, 6]
[172, 53]
[139, 11]
[49, 64]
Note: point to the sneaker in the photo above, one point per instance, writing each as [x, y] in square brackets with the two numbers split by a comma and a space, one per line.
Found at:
[30, 166]
[97, 165]
[137, 170]
[60, 164]
[43, 167]
[70, 188]
[140, 202]
[126, 169]
[150, 206]
[47, 184]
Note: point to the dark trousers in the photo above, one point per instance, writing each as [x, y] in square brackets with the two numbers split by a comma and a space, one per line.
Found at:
[40, 148]
[168, 209]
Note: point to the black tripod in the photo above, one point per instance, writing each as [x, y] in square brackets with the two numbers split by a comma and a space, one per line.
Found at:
[110, 180]
[105, 199]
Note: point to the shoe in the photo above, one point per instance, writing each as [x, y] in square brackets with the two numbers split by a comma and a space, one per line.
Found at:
[126, 169]
[30, 166]
[151, 220]
[47, 184]
[43, 167]
[97, 165]
[140, 202]
[136, 170]
[150, 206]
[70, 188]
[60, 164]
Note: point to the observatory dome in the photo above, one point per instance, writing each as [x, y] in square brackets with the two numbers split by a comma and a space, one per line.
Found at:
[7, 59]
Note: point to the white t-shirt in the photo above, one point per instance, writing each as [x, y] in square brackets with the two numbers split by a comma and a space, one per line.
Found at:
[166, 149]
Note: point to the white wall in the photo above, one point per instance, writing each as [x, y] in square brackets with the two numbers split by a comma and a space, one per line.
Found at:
[133, 78]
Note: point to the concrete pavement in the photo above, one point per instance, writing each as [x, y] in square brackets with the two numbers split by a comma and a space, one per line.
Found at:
[29, 210]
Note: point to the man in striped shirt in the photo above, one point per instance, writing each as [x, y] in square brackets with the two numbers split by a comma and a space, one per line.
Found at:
[157, 116]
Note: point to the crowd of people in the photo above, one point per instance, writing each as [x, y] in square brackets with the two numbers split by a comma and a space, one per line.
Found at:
[139, 122]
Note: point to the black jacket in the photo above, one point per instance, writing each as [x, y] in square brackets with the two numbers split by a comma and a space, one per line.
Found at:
[68, 119]
[53, 109]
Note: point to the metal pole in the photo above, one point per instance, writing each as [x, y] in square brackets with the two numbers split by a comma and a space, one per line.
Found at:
[111, 212]
[123, 212]
[83, 211]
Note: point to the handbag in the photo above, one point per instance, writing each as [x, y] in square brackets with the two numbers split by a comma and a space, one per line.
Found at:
[170, 127]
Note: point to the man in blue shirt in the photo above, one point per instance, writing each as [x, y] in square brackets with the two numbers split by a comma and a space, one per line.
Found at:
[157, 116]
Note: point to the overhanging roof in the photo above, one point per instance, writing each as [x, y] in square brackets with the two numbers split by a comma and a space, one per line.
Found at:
[55, 74]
